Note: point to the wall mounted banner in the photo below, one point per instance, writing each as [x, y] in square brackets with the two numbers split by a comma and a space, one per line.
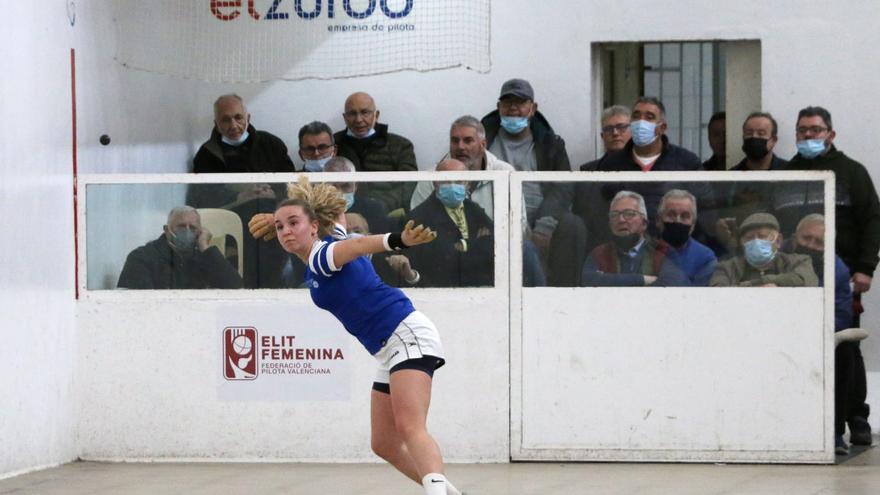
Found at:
[260, 40]
[268, 354]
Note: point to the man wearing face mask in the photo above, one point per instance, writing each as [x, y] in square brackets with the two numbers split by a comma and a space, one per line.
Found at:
[737, 200]
[630, 258]
[181, 258]
[761, 263]
[857, 223]
[371, 148]
[236, 146]
[316, 146]
[518, 133]
[676, 219]
[463, 255]
[373, 211]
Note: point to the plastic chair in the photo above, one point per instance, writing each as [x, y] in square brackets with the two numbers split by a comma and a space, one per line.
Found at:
[222, 223]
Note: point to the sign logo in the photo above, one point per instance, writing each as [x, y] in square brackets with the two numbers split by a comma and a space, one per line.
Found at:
[240, 353]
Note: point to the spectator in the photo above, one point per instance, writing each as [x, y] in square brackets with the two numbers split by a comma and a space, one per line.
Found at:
[615, 133]
[762, 264]
[857, 220]
[316, 146]
[629, 258]
[236, 146]
[371, 148]
[372, 210]
[463, 255]
[181, 258]
[467, 144]
[717, 131]
[392, 267]
[519, 134]
[675, 221]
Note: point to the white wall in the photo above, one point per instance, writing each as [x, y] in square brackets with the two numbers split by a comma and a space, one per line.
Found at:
[813, 52]
[36, 204]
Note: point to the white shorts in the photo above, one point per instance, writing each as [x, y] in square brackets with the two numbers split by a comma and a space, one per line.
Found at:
[414, 338]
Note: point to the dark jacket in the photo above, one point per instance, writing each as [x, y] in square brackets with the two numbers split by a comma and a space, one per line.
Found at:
[261, 152]
[550, 155]
[438, 262]
[381, 152]
[156, 266]
[857, 207]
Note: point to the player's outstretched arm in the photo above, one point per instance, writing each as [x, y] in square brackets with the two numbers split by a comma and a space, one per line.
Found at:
[350, 249]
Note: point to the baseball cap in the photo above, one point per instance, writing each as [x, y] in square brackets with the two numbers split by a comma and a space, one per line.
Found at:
[519, 88]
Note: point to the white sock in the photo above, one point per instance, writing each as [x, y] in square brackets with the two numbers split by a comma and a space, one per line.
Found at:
[434, 484]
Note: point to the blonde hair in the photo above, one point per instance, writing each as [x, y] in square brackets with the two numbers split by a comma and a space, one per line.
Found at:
[324, 201]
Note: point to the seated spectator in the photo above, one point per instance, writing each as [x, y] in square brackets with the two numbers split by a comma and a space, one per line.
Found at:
[762, 264]
[467, 144]
[371, 148]
[629, 258]
[809, 239]
[463, 255]
[181, 258]
[316, 146]
[236, 146]
[675, 222]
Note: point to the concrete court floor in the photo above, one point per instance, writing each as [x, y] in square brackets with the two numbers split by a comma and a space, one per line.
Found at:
[858, 474]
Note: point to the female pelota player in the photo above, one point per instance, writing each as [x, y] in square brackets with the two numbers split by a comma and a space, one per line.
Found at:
[406, 344]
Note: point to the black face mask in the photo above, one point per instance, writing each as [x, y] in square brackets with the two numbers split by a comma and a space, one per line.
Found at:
[815, 256]
[676, 233]
[626, 242]
[755, 148]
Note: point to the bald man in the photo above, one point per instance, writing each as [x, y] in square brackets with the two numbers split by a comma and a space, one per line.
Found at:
[371, 148]
[463, 253]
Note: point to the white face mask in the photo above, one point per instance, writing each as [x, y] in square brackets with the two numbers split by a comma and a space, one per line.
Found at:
[238, 142]
[372, 131]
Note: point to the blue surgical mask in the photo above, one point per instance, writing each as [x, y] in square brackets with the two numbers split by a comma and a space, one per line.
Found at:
[451, 195]
[238, 142]
[811, 148]
[642, 132]
[759, 252]
[317, 165]
[349, 200]
[514, 125]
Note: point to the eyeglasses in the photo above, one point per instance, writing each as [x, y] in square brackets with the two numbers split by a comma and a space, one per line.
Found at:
[312, 150]
[620, 128]
[812, 130]
[353, 114]
[626, 214]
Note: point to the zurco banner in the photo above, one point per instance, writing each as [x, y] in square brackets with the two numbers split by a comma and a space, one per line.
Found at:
[259, 40]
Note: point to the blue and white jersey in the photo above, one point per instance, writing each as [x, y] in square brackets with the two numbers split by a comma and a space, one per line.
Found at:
[354, 294]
